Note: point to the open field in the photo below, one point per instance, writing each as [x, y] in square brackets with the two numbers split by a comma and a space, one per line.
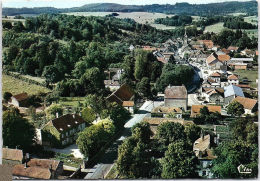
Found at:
[252, 75]
[216, 28]
[16, 86]
[251, 19]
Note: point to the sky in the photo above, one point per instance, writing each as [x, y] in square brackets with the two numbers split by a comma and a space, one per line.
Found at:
[77, 3]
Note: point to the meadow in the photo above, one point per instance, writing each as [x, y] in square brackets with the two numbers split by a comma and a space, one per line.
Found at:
[16, 86]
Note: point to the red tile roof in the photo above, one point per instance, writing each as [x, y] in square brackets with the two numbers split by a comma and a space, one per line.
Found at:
[233, 48]
[246, 102]
[124, 93]
[232, 77]
[12, 154]
[128, 104]
[216, 74]
[211, 58]
[223, 58]
[195, 109]
[44, 163]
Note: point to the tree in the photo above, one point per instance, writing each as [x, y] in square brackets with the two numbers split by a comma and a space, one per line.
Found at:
[230, 155]
[7, 25]
[142, 131]
[144, 88]
[179, 161]
[193, 132]
[92, 138]
[17, 131]
[53, 110]
[235, 109]
[96, 103]
[7, 96]
[88, 115]
[52, 74]
[169, 132]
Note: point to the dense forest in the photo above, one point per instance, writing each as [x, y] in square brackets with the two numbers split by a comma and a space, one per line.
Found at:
[179, 8]
[174, 20]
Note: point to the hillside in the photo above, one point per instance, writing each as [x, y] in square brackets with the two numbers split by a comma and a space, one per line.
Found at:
[178, 8]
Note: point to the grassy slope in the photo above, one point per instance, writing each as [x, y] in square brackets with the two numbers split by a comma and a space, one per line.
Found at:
[16, 86]
[252, 75]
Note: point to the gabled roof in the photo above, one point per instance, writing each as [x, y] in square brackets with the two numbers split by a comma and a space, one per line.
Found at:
[232, 77]
[21, 97]
[233, 48]
[176, 92]
[162, 109]
[207, 43]
[12, 154]
[195, 109]
[212, 58]
[202, 143]
[223, 58]
[44, 163]
[124, 93]
[215, 74]
[233, 90]
[225, 50]
[246, 102]
[244, 86]
[211, 81]
[31, 172]
[66, 122]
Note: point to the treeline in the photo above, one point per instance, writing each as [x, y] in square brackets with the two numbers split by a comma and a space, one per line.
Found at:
[237, 23]
[174, 20]
[228, 37]
[178, 8]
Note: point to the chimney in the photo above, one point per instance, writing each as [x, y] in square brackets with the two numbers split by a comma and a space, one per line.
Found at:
[57, 114]
[27, 156]
[25, 164]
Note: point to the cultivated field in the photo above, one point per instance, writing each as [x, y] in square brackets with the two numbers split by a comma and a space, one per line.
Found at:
[16, 86]
[251, 19]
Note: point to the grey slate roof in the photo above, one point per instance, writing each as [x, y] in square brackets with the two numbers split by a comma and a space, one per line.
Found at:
[233, 90]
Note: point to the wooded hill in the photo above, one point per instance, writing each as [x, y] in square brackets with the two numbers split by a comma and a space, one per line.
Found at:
[179, 8]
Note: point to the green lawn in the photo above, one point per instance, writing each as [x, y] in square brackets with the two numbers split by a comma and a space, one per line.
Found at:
[16, 86]
[252, 75]
[71, 101]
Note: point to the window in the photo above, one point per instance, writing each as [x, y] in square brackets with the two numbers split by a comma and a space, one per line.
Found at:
[67, 134]
[62, 135]
[204, 173]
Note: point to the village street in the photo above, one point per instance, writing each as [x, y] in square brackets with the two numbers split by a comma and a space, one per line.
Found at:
[107, 161]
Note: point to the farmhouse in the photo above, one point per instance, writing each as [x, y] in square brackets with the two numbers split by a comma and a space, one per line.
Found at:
[250, 105]
[38, 169]
[231, 92]
[62, 130]
[176, 96]
[207, 43]
[124, 93]
[19, 100]
[214, 63]
[195, 109]
[213, 95]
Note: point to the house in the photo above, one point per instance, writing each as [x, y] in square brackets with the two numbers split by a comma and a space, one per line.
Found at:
[19, 100]
[244, 86]
[233, 80]
[38, 169]
[233, 49]
[155, 122]
[240, 61]
[112, 84]
[226, 51]
[248, 52]
[214, 63]
[213, 95]
[216, 76]
[149, 48]
[124, 93]
[62, 130]
[12, 156]
[176, 96]
[162, 112]
[231, 92]
[195, 109]
[250, 105]
[129, 105]
[207, 43]
[238, 66]
[209, 82]
[201, 148]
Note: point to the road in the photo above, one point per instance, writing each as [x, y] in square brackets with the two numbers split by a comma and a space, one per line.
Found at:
[107, 161]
